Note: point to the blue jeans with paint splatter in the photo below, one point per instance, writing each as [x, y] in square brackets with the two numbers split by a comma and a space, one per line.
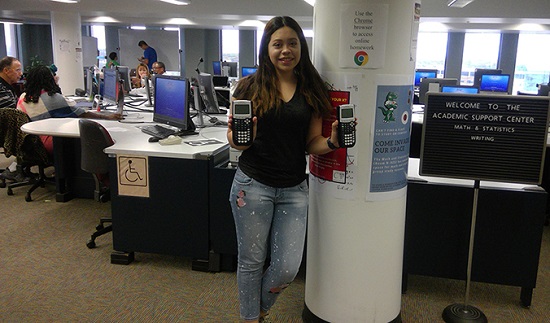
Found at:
[270, 221]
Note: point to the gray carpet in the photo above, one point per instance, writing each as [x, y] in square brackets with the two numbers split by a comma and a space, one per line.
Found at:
[48, 275]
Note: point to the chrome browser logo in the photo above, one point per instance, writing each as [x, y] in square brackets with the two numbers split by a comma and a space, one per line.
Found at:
[361, 58]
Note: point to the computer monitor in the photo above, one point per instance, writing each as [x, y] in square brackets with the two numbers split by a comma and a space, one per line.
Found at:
[217, 67]
[148, 90]
[425, 85]
[543, 89]
[110, 85]
[124, 72]
[220, 81]
[89, 81]
[421, 73]
[207, 94]
[171, 104]
[246, 70]
[481, 71]
[459, 89]
[494, 83]
[233, 68]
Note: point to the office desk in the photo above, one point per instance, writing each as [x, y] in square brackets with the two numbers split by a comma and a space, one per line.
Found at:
[174, 219]
[71, 181]
[438, 215]
[509, 226]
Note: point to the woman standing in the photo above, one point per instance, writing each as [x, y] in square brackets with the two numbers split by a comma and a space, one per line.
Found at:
[269, 195]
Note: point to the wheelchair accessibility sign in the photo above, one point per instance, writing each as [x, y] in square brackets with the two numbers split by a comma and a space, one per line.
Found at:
[133, 175]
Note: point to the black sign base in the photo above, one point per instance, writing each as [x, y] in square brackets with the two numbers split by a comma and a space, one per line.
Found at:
[459, 313]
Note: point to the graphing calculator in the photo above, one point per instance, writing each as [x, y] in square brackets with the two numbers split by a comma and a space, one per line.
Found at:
[242, 122]
[346, 125]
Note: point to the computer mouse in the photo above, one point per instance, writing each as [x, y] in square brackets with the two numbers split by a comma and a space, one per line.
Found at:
[154, 139]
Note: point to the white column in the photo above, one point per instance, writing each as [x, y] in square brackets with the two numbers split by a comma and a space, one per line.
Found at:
[355, 244]
[67, 50]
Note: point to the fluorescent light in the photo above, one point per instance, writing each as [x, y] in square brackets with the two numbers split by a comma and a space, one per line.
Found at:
[311, 2]
[252, 23]
[104, 19]
[308, 33]
[459, 3]
[138, 27]
[178, 21]
[11, 21]
[171, 28]
[67, 1]
[178, 2]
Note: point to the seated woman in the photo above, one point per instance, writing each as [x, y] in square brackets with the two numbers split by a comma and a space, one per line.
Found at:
[138, 82]
[141, 72]
[42, 100]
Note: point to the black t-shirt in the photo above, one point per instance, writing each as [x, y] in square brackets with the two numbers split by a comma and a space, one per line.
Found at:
[277, 155]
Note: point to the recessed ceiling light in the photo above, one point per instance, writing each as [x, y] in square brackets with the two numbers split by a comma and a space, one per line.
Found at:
[178, 21]
[458, 3]
[67, 1]
[178, 2]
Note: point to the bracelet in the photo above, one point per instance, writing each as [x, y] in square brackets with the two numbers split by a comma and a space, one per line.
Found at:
[331, 145]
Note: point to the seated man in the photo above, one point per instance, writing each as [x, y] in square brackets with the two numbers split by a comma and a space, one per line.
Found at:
[10, 73]
[159, 68]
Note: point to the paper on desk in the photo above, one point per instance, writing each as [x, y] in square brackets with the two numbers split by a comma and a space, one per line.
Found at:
[203, 142]
[116, 129]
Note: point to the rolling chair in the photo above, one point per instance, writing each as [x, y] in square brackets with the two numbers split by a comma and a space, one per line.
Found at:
[94, 139]
[27, 148]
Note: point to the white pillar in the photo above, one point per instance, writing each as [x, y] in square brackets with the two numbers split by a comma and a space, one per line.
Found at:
[355, 241]
[67, 50]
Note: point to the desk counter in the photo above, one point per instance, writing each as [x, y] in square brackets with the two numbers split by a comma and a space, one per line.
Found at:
[129, 139]
[174, 218]
[508, 232]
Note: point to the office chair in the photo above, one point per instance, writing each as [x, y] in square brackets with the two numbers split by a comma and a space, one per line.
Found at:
[27, 148]
[94, 139]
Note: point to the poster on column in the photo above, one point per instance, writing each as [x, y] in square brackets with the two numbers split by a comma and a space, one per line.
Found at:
[390, 149]
[363, 31]
[334, 173]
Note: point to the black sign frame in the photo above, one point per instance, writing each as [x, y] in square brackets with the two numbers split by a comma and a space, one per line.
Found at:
[485, 137]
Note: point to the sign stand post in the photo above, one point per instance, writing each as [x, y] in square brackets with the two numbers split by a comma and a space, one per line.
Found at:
[499, 138]
[464, 312]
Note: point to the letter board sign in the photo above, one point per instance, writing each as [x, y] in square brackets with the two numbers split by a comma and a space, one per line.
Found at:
[484, 137]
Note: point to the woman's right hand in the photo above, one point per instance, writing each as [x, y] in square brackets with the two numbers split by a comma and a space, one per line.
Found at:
[230, 132]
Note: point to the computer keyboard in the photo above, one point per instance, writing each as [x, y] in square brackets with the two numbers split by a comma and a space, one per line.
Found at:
[163, 132]
[158, 131]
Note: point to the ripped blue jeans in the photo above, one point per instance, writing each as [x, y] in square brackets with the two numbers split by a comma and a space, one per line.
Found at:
[268, 220]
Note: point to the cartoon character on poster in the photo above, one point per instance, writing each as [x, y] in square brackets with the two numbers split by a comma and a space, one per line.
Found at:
[390, 153]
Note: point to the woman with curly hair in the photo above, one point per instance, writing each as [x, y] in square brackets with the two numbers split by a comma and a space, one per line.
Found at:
[42, 100]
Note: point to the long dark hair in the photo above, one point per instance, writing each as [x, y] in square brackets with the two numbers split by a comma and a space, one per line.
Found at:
[261, 87]
[39, 78]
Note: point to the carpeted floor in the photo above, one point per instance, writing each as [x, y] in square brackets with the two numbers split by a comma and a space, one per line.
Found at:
[47, 274]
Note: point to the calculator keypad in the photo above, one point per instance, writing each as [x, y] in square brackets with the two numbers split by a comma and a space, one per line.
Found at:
[242, 131]
[347, 134]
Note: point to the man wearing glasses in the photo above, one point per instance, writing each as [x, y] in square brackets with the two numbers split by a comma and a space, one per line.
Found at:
[10, 73]
[159, 68]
